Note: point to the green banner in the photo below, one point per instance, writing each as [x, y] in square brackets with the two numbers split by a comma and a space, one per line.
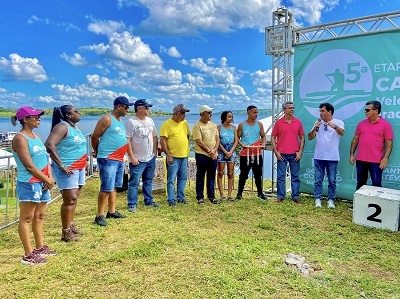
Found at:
[347, 73]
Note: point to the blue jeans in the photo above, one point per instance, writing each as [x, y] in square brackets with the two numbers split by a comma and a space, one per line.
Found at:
[111, 174]
[362, 173]
[331, 167]
[205, 165]
[146, 171]
[294, 172]
[177, 170]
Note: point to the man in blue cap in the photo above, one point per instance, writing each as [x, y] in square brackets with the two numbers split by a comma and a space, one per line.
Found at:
[142, 151]
[109, 145]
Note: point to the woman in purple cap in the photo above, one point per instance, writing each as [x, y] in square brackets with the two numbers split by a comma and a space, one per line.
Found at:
[33, 184]
[67, 147]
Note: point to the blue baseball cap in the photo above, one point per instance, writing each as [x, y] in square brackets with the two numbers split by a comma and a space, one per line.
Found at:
[122, 101]
[142, 102]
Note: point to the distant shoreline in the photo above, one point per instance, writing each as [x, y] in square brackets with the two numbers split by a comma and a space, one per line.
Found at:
[8, 112]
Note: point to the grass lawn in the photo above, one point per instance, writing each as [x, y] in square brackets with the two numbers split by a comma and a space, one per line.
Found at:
[232, 250]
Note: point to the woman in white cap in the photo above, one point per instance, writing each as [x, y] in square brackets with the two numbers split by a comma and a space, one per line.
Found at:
[33, 184]
[67, 147]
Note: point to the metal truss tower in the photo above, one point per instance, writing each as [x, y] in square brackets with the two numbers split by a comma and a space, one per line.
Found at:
[282, 37]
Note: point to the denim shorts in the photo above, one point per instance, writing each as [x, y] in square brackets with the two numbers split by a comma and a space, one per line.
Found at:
[111, 174]
[32, 192]
[73, 181]
[221, 157]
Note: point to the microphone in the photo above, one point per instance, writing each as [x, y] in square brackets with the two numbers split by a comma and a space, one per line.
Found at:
[317, 128]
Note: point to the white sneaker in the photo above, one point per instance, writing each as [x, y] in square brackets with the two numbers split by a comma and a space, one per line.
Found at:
[331, 205]
[318, 203]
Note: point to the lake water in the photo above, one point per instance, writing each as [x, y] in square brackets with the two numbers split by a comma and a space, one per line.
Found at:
[88, 123]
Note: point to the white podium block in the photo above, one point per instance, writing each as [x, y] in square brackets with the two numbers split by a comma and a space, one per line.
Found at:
[377, 207]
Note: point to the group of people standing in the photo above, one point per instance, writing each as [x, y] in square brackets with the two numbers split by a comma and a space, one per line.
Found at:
[214, 147]
[373, 140]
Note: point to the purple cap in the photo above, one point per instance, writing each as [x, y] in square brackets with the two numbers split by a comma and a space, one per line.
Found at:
[27, 111]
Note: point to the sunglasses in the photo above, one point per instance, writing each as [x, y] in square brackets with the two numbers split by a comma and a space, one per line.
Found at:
[325, 127]
[368, 110]
[209, 112]
[34, 116]
[125, 106]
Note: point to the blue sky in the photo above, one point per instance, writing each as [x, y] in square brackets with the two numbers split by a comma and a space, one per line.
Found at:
[194, 52]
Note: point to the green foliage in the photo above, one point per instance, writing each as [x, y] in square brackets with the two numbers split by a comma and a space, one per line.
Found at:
[231, 250]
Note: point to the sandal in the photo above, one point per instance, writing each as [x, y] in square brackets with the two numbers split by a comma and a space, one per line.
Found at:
[223, 198]
[231, 199]
[214, 201]
[200, 201]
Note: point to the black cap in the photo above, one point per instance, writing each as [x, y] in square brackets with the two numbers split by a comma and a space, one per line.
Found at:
[142, 102]
[122, 101]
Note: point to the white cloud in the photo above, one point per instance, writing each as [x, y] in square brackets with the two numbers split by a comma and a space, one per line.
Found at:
[46, 99]
[310, 10]
[220, 75]
[262, 79]
[75, 60]
[236, 90]
[3, 89]
[20, 68]
[67, 26]
[173, 51]
[191, 17]
[86, 96]
[126, 51]
[106, 27]
[79, 61]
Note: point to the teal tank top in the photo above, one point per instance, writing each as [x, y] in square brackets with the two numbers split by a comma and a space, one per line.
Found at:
[39, 156]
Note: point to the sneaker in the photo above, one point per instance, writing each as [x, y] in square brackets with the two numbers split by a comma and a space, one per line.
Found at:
[262, 197]
[100, 220]
[44, 251]
[75, 230]
[238, 196]
[153, 204]
[331, 205]
[67, 236]
[115, 215]
[231, 199]
[183, 201]
[200, 201]
[318, 203]
[33, 259]
[132, 209]
[172, 203]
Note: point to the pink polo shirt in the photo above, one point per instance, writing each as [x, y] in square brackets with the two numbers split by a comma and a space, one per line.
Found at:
[287, 135]
[371, 142]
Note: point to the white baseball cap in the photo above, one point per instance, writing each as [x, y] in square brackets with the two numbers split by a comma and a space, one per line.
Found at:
[205, 108]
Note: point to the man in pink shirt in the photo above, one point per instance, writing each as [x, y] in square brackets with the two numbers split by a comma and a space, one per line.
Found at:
[287, 140]
[373, 140]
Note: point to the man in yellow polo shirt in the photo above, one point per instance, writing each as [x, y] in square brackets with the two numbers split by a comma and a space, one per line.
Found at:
[174, 139]
[206, 143]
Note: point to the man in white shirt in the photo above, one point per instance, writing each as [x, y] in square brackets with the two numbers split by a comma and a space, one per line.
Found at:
[142, 151]
[327, 131]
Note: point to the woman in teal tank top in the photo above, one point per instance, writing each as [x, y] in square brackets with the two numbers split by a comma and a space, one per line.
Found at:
[68, 151]
[226, 152]
[33, 184]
